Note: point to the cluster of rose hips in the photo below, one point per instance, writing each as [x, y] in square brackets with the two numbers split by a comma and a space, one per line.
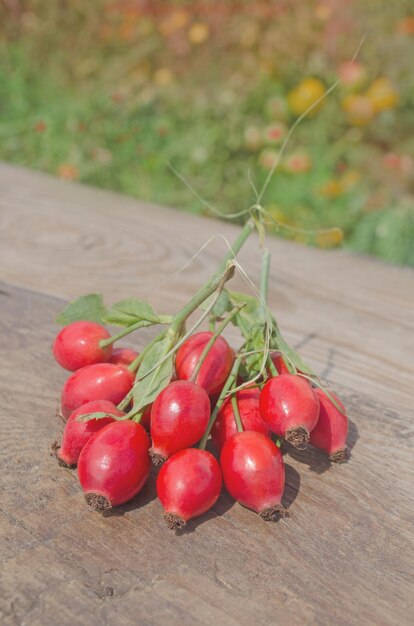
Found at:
[206, 394]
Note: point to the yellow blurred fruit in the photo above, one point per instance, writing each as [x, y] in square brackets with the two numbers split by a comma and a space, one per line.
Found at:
[253, 138]
[275, 133]
[359, 109]
[305, 95]
[298, 163]
[175, 21]
[331, 189]
[329, 238]
[382, 95]
[163, 76]
[198, 33]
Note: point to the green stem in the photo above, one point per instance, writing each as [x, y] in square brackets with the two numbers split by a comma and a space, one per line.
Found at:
[134, 366]
[164, 319]
[272, 366]
[247, 230]
[264, 282]
[216, 334]
[227, 386]
[236, 412]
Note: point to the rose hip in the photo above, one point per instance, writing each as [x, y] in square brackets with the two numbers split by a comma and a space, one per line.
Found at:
[179, 417]
[254, 473]
[77, 345]
[290, 407]
[331, 431]
[225, 425]
[123, 356]
[77, 434]
[216, 366]
[114, 465]
[188, 485]
[102, 381]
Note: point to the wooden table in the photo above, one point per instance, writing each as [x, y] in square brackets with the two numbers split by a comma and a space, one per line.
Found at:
[345, 556]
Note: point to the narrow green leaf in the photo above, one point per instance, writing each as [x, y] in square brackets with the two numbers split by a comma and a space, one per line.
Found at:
[150, 385]
[99, 415]
[129, 312]
[89, 307]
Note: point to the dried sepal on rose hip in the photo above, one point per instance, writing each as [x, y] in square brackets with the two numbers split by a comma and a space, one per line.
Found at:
[254, 473]
[331, 430]
[114, 464]
[188, 485]
[290, 407]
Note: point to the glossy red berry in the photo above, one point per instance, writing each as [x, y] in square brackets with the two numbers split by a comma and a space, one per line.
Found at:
[331, 431]
[123, 356]
[102, 381]
[179, 418]
[77, 434]
[146, 418]
[114, 465]
[225, 425]
[290, 407]
[254, 473]
[77, 345]
[216, 366]
[188, 485]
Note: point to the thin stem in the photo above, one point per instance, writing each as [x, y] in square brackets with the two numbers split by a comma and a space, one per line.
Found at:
[236, 412]
[163, 319]
[216, 334]
[272, 366]
[264, 281]
[227, 386]
[244, 234]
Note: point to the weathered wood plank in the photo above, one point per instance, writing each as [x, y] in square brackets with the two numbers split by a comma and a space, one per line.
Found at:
[344, 557]
[354, 314]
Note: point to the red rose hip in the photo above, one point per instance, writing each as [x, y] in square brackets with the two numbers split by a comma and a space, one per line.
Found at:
[215, 368]
[290, 407]
[179, 418]
[77, 345]
[123, 356]
[188, 485]
[102, 381]
[77, 434]
[114, 465]
[225, 425]
[331, 431]
[254, 473]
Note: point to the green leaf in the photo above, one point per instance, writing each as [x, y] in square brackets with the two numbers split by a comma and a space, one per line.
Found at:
[99, 415]
[148, 388]
[89, 307]
[221, 306]
[130, 311]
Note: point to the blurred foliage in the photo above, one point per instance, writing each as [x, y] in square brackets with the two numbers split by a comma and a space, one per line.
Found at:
[111, 92]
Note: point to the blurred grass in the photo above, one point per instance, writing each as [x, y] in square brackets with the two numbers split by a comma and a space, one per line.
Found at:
[110, 93]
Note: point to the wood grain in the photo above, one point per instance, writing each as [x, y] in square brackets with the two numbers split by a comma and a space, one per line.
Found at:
[344, 557]
[352, 315]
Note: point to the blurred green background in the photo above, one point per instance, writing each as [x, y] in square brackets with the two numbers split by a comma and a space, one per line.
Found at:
[112, 92]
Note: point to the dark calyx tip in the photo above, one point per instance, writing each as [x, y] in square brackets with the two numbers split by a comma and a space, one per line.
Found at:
[54, 448]
[98, 503]
[174, 522]
[157, 458]
[340, 456]
[274, 513]
[298, 437]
